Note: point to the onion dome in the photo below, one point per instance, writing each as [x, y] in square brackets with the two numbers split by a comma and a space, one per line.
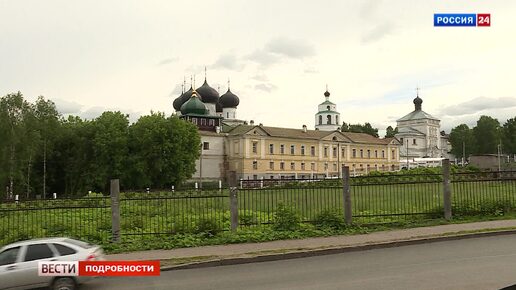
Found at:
[186, 95]
[326, 94]
[208, 94]
[218, 108]
[194, 106]
[229, 100]
[178, 103]
[417, 103]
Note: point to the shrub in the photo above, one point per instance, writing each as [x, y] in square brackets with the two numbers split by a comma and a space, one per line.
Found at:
[207, 226]
[286, 218]
[329, 219]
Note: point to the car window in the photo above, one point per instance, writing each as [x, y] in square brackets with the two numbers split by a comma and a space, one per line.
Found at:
[64, 250]
[37, 252]
[9, 256]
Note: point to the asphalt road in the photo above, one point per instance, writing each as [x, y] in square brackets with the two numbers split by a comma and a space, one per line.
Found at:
[480, 263]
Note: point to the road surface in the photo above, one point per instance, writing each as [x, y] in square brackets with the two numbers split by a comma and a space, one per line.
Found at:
[480, 263]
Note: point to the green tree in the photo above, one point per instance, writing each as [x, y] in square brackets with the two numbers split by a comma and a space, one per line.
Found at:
[487, 135]
[345, 127]
[110, 148]
[366, 128]
[163, 151]
[391, 132]
[462, 139]
[509, 136]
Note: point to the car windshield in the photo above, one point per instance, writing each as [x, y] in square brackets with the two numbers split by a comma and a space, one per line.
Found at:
[81, 244]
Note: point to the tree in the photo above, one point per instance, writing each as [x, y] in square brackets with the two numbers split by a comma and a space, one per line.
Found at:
[345, 127]
[462, 139]
[509, 136]
[163, 151]
[487, 135]
[391, 132]
[366, 128]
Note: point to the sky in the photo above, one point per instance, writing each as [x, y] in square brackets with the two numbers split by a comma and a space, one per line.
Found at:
[132, 56]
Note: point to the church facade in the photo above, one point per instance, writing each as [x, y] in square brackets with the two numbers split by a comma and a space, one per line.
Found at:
[254, 151]
[421, 135]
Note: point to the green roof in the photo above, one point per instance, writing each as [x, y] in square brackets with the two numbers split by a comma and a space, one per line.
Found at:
[194, 106]
[322, 112]
[326, 103]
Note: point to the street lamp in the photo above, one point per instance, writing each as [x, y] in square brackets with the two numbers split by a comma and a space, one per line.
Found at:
[200, 168]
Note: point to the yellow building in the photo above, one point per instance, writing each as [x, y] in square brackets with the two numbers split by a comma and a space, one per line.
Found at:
[269, 152]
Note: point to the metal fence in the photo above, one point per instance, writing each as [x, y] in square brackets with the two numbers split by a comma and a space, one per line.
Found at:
[371, 199]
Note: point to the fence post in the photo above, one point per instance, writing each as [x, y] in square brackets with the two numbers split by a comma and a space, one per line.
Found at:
[347, 195]
[447, 199]
[233, 200]
[115, 209]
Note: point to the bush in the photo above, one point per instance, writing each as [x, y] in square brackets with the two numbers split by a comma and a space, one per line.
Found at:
[286, 218]
[207, 226]
[329, 219]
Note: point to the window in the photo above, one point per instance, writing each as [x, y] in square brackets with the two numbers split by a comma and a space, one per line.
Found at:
[271, 165]
[203, 122]
[282, 149]
[255, 177]
[212, 122]
[325, 151]
[302, 166]
[361, 153]
[325, 166]
[255, 165]
[334, 152]
[38, 252]
[292, 149]
[343, 152]
[227, 115]
[312, 150]
[272, 176]
[292, 166]
[368, 153]
[383, 153]
[271, 148]
[328, 119]
[194, 120]
[337, 119]
[282, 165]
[375, 153]
[414, 142]
[302, 149]
[64, 250]
[312, 166]
[393, 153]
[328, 108]
[320, 120]
[354, 153]
[206, 145]
[334, 166]
[401, 140]
[9, 256]
[255, 147]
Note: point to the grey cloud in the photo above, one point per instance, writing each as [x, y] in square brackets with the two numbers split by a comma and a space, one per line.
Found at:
[260, 77]
[477, 105]
[266, 87]
[168, 60]
[263, 57]
[176, 91]
[67, 107]
[293, 48]
[228, 61]
[377, 32]
[311, 70]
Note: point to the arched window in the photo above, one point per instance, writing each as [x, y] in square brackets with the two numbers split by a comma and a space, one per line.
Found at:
[337, 119]
[328, 108]
[320, 120]
[328, 119]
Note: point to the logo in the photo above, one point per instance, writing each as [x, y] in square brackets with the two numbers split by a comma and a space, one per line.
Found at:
[99, 268]
[458, 19]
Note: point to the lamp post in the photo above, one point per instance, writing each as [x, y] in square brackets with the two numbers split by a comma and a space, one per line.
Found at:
[200, 168]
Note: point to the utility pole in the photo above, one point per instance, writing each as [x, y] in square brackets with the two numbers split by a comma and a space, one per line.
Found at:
[200, 167]
[499, 147]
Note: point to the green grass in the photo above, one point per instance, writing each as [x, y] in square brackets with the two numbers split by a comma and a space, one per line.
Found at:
[171, 220]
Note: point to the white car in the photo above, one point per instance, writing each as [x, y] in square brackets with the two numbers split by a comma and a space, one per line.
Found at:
[19, 262]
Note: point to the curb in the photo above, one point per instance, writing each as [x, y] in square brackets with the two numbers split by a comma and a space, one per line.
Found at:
[334, 250]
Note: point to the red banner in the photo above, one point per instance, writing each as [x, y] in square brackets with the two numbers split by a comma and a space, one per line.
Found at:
[119, 268]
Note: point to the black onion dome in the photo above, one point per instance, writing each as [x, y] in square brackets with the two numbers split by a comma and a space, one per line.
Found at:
[207, 93]
[218, 108]
[326, 94]
[177, 103]
[417, 102]
[186, 96]
[229, 100]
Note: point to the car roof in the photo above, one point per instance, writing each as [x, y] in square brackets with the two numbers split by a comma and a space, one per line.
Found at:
[34, 241]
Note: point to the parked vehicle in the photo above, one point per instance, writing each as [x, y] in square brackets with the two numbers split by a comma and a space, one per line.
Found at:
[19, 262]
